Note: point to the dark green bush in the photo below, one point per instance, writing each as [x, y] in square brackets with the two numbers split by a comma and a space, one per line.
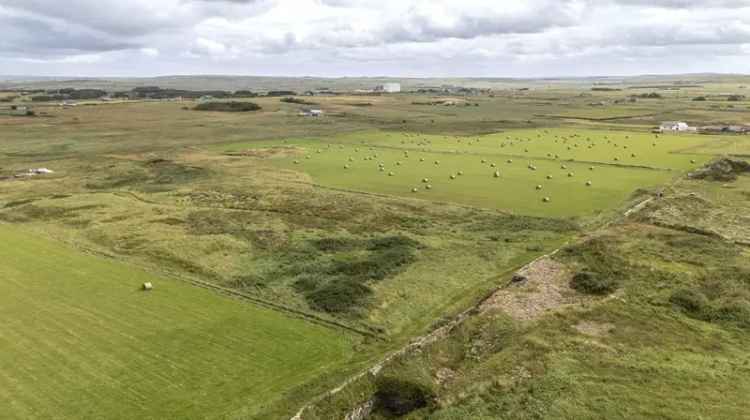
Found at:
[690, 301]
[397, 397]
[593, 283]
[339, 295]
[232, 106]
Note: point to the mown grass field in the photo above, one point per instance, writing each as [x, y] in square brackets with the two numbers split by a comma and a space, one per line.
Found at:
[81, 341]
[512, 171]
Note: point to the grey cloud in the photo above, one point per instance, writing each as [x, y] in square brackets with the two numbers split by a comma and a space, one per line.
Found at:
[34, 37]
[686, 4]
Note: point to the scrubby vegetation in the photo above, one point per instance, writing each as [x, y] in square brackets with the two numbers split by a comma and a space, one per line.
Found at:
[232, 106]
[337, 280]
[397, 397]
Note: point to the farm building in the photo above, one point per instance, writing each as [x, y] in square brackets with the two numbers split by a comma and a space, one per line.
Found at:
[19, 110]
[311, 113]
[675, 126]
[389, 88]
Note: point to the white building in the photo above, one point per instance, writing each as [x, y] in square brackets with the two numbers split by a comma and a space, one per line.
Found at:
[312, 113]
[674, 126]
[389, 88]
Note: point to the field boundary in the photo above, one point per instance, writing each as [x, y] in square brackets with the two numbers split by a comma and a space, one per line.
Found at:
[313, 318]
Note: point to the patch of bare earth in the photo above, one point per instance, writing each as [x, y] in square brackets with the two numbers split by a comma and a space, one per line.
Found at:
[544, 288]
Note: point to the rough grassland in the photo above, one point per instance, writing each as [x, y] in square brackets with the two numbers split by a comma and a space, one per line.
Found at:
[79, 339]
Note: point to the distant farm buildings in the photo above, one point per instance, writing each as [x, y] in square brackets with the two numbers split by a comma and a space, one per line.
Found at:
[311, 113]
[675, 126]
[388, 88]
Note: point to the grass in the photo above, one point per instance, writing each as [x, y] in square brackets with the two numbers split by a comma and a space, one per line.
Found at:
[80, 340]
[152, 185]
[465, 168]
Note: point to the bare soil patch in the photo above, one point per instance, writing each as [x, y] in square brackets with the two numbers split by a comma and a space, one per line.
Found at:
[545, 288]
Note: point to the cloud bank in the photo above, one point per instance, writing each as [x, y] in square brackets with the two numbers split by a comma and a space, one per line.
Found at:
[373, 37]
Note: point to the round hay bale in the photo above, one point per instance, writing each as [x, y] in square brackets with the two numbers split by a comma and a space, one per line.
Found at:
[414, 190]
[346, 166]
[437, 162]
[591, 168]
[497, 174]
[147, 286]
[381, 169]
[296, 162]
[398, 163]
[428, 186]
[546, 200]
[589, 183]
[692, 160]
[484, 160]
[425, 180]
[570, 174]
[538, 187]
[453, 177]
[492, 165]
[563, 167]
[391, 174]
[460, 173]
[510, 160]
[421, 159]
[549, 176]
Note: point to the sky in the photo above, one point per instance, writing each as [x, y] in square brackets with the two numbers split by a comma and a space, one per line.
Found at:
[400, 38]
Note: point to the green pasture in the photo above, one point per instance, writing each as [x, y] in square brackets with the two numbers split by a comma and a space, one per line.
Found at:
[81, 341]
[529, 166]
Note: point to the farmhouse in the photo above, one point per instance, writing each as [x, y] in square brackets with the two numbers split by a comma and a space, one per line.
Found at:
[389, 88]
[311, 113]
[675, 126]
[19, 110]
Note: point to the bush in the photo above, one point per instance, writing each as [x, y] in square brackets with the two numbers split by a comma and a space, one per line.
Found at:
[699, 98]
[593, 283]
[397, 397]
[689, 301]
[339, 295]
[228, 106]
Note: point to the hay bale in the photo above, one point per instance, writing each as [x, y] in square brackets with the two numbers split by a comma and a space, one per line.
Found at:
[546, 199]
[425, 180]
[549, 176]
[391, 174]
[460, 173]
[437, 162]
[414, 190]
[497, 174]
[147, 286]
[428, 186]
[570, 174]
[588, 183]
[538, 187]
[453, 177]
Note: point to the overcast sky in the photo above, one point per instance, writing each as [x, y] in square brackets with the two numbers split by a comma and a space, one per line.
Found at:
[373, 37]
